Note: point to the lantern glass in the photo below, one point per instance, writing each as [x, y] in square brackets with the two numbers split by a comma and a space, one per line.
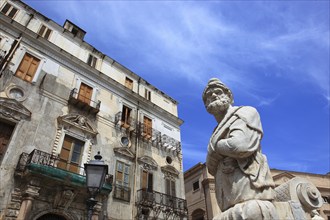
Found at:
[95, 175]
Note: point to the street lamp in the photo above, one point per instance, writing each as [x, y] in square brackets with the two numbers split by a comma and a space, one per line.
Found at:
[95, 171]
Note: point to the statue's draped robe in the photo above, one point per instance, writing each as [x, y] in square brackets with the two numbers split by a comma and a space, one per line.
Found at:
[234, 158]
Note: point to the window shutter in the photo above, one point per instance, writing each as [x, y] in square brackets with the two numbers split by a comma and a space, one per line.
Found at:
[150, 182]
[168, 186]
[173, 188]
[47, 34]
[6, 8]
[12, 12]
[32, 70]
[85, 93]
[42, 30]
[28, 67]
[144, 179]
[5, 135]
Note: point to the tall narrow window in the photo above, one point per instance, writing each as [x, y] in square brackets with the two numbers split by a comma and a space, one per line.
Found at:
[6, 131]
[147, 128]
[195, 185]
[71, 152]
[147, 181]
[170, 187]
[85, 93]
[122, 189]
[9, 10]
[44, 32]
[125, 117]
[147, 94]
[129, 83]
[91, 60]
[28, 67]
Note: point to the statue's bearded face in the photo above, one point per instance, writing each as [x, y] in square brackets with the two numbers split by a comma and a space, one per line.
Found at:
[216, 101]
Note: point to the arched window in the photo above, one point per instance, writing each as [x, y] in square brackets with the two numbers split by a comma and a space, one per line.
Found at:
[51, 216]
[198, 214]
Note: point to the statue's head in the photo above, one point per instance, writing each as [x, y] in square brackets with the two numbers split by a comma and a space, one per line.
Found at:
[217, 97]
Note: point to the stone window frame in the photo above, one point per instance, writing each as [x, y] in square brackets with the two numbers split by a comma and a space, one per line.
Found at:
[45, 32]
[196, 186]
[79, 127]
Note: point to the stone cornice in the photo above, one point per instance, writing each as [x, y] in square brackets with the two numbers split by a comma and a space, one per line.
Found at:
[51, 50]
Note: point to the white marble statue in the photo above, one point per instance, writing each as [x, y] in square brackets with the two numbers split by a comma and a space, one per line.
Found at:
[244, 186]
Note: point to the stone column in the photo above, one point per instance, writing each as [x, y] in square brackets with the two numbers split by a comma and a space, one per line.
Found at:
[28, 195]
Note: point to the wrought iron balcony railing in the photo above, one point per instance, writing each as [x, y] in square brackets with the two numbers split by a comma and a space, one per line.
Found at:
[83, 102]
[167, 203]
[126, 122]
[53, 167]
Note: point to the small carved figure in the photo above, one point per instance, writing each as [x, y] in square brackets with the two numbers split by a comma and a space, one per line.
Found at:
[244, 186]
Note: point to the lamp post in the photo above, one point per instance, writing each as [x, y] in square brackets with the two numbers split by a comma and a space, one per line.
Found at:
[95, 171]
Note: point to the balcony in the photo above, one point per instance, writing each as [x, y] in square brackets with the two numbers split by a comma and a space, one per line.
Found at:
[127, 123]
[84, 103]
[168, 205]
[42, 164]
[149, 134]
[170, 143]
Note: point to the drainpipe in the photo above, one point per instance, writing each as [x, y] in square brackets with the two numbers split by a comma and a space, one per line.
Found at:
[136, 152]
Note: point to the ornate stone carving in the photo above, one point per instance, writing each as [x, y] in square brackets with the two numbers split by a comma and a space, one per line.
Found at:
[148, 163]
[170, 172]
[64, 198]
[302, 191]
[78, 121]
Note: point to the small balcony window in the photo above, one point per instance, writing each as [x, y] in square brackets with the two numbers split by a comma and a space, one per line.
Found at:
[44, 32]
[92, 60]
[129, 83]
[9, 10]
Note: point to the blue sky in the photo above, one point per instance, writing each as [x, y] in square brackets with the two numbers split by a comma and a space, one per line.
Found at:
[274, 55]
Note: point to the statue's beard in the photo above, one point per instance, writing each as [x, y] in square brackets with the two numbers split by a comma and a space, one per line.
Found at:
[221, 104]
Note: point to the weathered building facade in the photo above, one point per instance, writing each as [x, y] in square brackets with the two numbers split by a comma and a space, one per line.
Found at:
[62, 101]
[200, 190]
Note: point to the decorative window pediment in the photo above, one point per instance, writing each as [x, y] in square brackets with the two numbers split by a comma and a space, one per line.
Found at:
[148, 163]
[170, 172]
[78, 121]
[125, 152]
[12, 109]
